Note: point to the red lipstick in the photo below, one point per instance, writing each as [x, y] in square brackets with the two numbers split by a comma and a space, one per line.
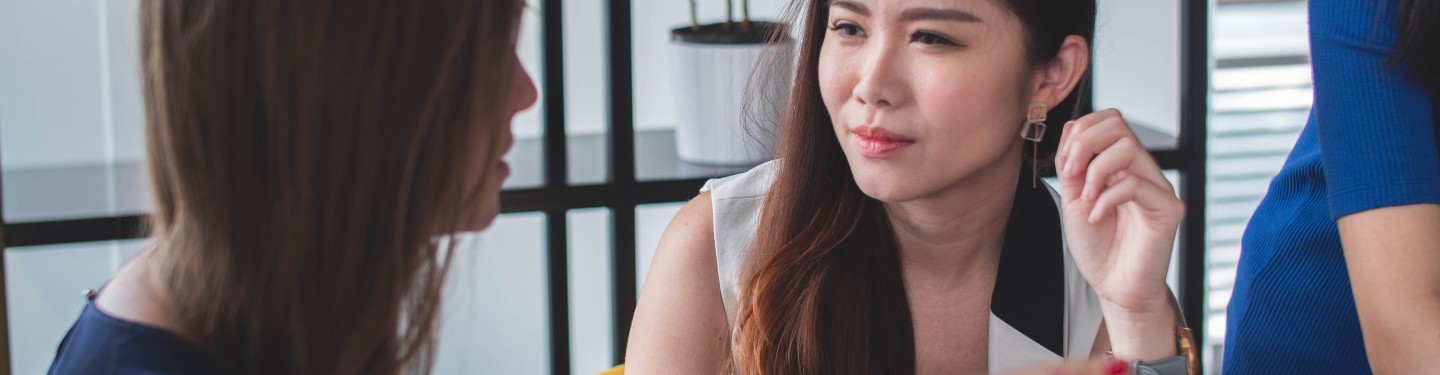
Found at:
[873, 142]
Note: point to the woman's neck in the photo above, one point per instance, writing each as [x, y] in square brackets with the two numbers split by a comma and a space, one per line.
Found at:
[955, 235]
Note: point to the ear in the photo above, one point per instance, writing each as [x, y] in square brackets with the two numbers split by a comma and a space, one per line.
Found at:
[1056, 80]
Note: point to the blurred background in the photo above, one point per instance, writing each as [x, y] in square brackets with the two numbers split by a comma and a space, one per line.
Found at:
[1219, 89]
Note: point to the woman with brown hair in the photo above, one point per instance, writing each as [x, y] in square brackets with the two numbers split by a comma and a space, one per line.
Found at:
[902, 228]
[309, 161]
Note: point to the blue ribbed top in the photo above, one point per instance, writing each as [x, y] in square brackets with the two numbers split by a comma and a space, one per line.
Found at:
[1369, 143]
[100, 344]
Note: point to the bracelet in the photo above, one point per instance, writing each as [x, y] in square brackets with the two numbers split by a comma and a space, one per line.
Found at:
[1188, 349]
[1186, 363]
[1169, 366]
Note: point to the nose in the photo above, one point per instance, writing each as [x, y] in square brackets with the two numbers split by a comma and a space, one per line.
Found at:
[882, 83]
[523, 93]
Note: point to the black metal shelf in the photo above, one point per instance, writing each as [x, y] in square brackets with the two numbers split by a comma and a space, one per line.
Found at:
[52, 215]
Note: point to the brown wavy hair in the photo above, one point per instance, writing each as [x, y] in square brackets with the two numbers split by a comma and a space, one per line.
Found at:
[307, 160]
[822, 292]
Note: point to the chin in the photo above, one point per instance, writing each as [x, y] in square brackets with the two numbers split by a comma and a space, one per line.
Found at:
[485, 222]
[478, 222]
[483, 217]
[886, 187]
[888, 193]
[487, 215]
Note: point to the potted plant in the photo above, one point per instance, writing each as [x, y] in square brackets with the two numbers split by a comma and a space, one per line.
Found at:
[727, 104]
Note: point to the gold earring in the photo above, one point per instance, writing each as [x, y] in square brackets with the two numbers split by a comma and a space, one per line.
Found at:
[1034, 131]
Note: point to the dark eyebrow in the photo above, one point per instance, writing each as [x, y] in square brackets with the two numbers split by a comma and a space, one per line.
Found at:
[852, 6]
[937, 14]
[913, 14]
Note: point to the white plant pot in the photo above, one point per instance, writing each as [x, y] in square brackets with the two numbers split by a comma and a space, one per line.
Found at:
[709, 84]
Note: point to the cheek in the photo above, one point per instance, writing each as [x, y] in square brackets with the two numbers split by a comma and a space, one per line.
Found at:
[972, 106]
[836, 79]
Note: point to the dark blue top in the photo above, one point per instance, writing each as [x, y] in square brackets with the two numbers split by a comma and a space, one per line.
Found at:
[102, 344]
[1369, 143]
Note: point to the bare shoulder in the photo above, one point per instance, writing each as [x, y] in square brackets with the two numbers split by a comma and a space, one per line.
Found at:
[693, 226]
[687, 245]
[679, 325]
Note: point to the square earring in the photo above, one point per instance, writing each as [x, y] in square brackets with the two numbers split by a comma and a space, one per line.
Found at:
[1034, 129]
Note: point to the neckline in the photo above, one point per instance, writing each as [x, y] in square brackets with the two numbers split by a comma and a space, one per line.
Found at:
[92, 307]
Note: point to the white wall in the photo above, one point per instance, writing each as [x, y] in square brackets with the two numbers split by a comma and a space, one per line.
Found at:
[1137, 61]
[124, 102]
[650, 38]
[69, 92]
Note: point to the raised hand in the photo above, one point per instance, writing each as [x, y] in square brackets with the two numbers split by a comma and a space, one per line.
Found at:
[1121, 216]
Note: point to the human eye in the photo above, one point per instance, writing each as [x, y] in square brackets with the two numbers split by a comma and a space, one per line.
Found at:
[931, 39]
[847, 29]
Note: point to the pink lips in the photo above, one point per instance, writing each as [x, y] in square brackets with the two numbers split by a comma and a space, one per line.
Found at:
[873, 142]
[503, 168]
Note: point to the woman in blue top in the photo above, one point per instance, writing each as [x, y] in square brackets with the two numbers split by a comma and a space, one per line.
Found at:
[308, 161]
[1341, 261]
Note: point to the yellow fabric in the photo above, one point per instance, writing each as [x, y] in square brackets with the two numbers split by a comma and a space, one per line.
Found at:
[617, 370]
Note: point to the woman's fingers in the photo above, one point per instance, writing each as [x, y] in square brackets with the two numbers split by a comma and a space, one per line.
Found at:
[1089, 141]
[1085, 141]
[1070, 184]
[1100, 149]
[1066, 192]
[1148, 196]
[1104, 167]
[1124, 158]
[1064, 139]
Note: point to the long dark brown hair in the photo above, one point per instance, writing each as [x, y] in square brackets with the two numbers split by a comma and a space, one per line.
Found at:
[307, 159]
[1417, 49]
[822, 293]
[1418, 44]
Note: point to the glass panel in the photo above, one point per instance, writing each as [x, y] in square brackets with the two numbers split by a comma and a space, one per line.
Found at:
[1260, 100]
[496, 317]
[590, 291]
[43, 287]
[663, 88]
[1137, 66]
[71, 120]
[526, 158]
[650, 223]
[586, 91]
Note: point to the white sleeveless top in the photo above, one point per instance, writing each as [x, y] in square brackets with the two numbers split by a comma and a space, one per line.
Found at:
[736, 202]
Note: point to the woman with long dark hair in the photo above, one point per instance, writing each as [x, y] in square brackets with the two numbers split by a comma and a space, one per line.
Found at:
[902, 228]
[308, 161]
[1340, 267]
